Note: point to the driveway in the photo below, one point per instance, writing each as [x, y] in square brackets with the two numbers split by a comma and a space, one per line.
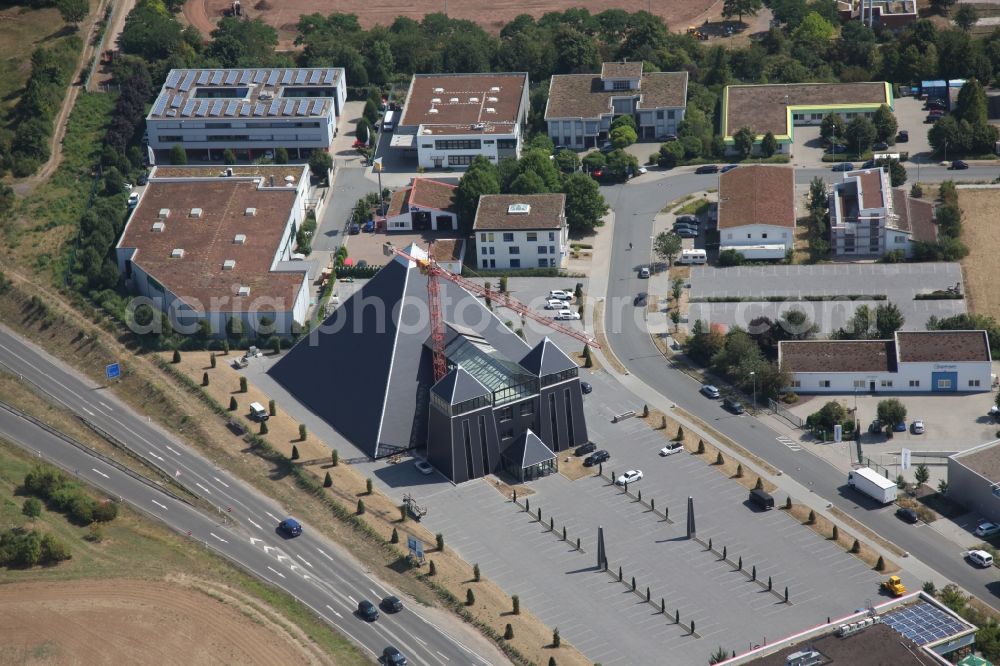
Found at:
[899, 282]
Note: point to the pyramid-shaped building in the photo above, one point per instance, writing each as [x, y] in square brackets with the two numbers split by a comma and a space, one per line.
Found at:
[367, 372]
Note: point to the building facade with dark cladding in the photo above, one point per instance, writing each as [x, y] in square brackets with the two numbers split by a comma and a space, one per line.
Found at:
[476, 420]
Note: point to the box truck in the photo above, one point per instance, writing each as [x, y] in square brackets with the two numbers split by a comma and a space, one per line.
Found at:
[873, 484]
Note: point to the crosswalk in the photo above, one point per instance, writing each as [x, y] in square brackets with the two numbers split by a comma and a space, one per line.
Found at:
[789, 442]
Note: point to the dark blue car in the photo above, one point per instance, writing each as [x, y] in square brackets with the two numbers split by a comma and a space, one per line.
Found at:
[291, 527]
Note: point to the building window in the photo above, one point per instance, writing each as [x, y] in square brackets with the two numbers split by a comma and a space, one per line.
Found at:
[532, 236]
[506, 144]
[670, 115]
[489, 237]
[508, 237]
[515, 263]
[482, 238]
[492, 249]
[506, 414]
[620, 85]
[542, 249]
[973, 383]
[507, 432]
[493, 263]
[457, 144]
[859, 383]
[824, 383]
[552, 249]
[886, 383]
[566, 140]
[543, 263]
[659, 115]
[514, 249]
[460, 160]
[763, 235]
[796, 383]
[484, 263]
[527, 408]
[467, 441]
[944, 384]
[914, 383]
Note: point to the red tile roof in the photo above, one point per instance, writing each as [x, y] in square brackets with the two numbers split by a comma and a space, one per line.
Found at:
[454, 103]
[547, 211]
[757, 194]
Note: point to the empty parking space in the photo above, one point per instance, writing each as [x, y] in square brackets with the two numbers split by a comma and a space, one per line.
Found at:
[899, 283]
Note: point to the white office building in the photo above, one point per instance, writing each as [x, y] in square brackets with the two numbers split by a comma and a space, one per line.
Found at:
[252, 112]
[521, 231]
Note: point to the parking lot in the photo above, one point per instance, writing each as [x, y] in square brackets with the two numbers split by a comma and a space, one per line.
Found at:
[898, 282]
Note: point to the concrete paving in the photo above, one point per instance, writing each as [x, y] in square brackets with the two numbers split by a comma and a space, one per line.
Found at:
[899, 282]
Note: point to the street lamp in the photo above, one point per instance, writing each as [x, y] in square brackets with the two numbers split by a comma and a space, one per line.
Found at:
[753, 375]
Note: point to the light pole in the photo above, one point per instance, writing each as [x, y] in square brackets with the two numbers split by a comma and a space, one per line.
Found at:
[652, 240]
[753, 375]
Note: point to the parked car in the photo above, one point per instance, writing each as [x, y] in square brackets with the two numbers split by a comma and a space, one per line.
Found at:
[367, 610]
[393, 657]
[567, 315]
[684, 225]
[585, 388]
[561, 295]
[728, 168]
[876, 426]
[555, 304]
[870, 164]
[128, 186]
[980, 558]
[707, 168]
[133, 200]
[630, 476]
[843, 166]
[935, 103]
[607, 147]
[640, 300]
[917, 427]
[907, 515]
[686, 232]
[424, 467]
[985, 529]
[671, 448]
[642, 170]
[597, 174]
[596, 458]
[355, 229]
[899, 427]
[733, 405]
[881, 145]
[959, 165]
[689, 220]
[667, 138]
[391, 604]
[903, 136]
[143, 178]
[589, 447]
[710, 391]
[644, 272]
[290, 526]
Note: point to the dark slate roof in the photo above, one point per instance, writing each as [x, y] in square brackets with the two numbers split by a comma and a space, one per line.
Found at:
[366, 369]
[528, 450]
[459, 386]
[546, 359]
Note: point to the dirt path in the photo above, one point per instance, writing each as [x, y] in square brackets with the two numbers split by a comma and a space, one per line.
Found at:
[195, 13]
[25, 186]
[115, 26]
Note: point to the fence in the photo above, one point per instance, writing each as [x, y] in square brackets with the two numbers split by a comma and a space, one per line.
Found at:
[796, 421]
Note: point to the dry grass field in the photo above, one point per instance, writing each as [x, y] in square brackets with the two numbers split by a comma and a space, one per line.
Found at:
[981, 267]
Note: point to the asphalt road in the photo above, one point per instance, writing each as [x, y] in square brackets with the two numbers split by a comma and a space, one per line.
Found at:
[310, 567]
[635, 204]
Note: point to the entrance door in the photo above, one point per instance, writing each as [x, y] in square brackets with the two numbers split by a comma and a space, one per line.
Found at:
[944, 382]
[871, 386]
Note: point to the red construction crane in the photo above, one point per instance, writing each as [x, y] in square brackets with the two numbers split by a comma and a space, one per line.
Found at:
[433, 271]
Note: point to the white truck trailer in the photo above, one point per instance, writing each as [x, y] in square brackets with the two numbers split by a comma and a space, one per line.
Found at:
[873, 484]
[758, 252]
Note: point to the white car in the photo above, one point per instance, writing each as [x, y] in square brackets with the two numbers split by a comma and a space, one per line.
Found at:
[671, 448]
[980, 558]
[555, 304]
[128, 186]
[642, 170]
[423, 467]
[567, 314]
[630, 476]
[560, 295]
[133, 200]
[917, 427]
[985, 529]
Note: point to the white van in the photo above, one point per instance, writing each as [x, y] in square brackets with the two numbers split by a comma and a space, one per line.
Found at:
[389, 121]
[257, 412]
[693, 257]
[981, 558]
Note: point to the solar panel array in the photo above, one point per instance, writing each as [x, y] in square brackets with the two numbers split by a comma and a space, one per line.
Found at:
[923, 623]
[174, 99]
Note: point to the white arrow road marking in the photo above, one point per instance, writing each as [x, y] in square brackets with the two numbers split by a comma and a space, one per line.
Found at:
[304, 561]
[272, 516]
[253, 542]
[306, 577]
[255, 524]
[338, 614]
[203, 487]
[324, 554]
[268, 549]
[294, 567]
[100, 472]
[162, 506]
[171, 450]
[156, 456]
[277, 572]
[282, 556]
[218, 480]
[218, 537]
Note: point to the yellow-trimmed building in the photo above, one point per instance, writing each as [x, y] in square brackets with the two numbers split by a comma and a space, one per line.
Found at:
[779, 108]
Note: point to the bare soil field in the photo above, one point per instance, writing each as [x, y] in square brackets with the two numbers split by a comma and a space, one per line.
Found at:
[284, 16]
[132, 622]
[983, 263]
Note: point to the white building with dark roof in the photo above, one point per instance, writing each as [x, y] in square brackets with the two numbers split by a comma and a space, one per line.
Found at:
[252, 112]
[449, 119]
[912, 362]
[757, 210]
[425, 204]
[521, 231]
[581, 107]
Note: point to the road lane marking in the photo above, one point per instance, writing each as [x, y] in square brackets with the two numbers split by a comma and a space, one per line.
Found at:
[272, 516]
[418, 639]
[218, 537]
[374, 593]
[105, 406]
[160, 458]
[171, 450]
[203, 487]
[353, 601]
[255, 524]
[162, 506]
[88, 411]
[100, 472]
[324, 554]
[304, 561]
[341, 616]
[277, 572]
[442, 656]
[218, 480]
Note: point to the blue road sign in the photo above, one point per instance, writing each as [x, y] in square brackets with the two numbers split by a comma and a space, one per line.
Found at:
[113, 371]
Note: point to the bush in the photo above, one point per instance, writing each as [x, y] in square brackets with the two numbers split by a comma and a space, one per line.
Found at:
[177, 356]
[295, 452]
[470, 597]
[335, 458]
[788, 502]
[701, 446]
[395, 535]
[515, 602]
[233, 406]
[361, 507]
[439, 539]
[835, 534]
[243, 384]
[475, 572]
[32, 508]
[263, 428]
[204, 379]
[432, 570]
[856, 547]
[272, 408]
[302, 432]
[731, 258]
[368, 486]
[556, 640]
[106, 511]
[508, 633]
[327, 481]
[53, 550]
[719, 460]
[880, 565]
[811, 520]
